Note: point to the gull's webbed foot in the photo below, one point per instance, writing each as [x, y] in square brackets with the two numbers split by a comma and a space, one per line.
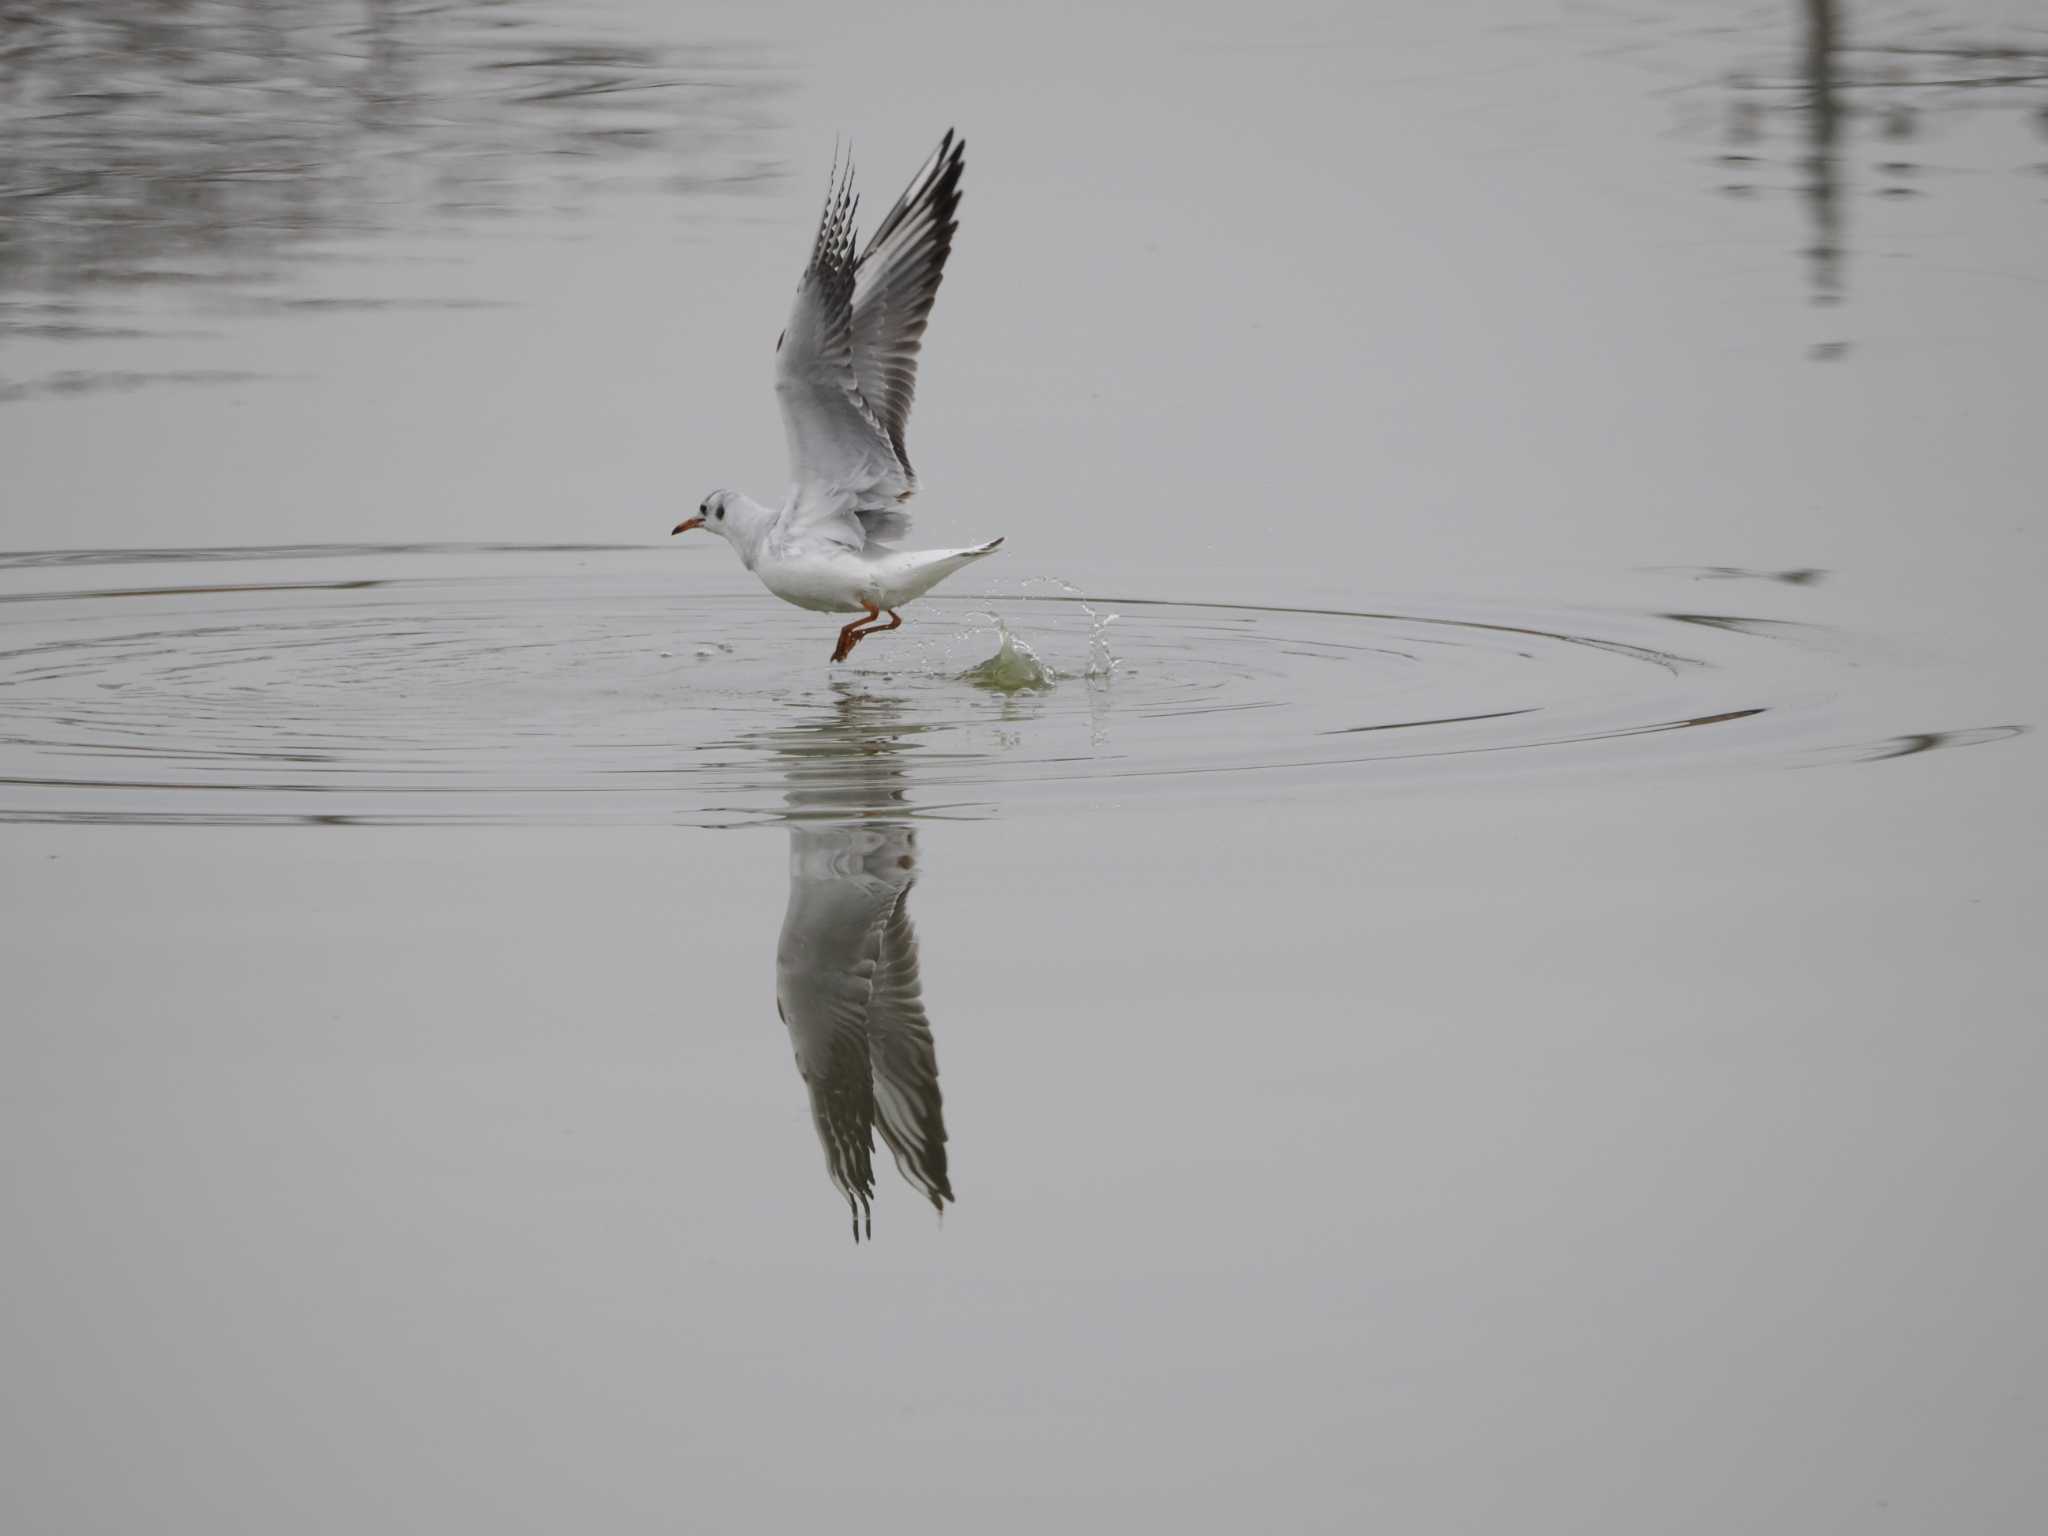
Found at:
[850, 636]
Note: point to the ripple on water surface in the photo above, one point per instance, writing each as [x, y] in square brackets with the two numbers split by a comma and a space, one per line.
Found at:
[473, 684]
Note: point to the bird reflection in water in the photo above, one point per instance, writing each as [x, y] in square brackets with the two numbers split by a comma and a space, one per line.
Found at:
[846, 973]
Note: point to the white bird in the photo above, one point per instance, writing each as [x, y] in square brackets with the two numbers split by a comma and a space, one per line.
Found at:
[845, 371]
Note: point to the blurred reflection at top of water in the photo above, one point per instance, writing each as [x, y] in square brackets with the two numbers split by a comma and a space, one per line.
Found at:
[215, 142]
[1861, 75]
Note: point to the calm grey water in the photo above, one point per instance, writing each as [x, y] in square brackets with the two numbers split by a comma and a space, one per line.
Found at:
[1489, 982]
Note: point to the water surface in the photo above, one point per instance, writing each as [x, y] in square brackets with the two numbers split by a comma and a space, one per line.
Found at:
[1488, 983]
[528, 685]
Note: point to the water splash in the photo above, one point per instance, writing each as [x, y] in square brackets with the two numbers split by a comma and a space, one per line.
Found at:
[1102, 661]
[1014, 668]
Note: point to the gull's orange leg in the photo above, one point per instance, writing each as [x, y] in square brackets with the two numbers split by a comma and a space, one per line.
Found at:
[853, 634]
[849, 637]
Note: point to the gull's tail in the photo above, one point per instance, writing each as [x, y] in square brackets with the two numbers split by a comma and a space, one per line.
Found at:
[927, 568]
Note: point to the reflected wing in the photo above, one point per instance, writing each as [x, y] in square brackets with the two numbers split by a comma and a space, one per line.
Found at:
[834, 1064]
[846, 366]
[910, 1111]
[847, 988]
[824, 977]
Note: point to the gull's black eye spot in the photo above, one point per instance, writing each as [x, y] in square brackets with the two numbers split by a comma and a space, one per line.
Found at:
[719, 514]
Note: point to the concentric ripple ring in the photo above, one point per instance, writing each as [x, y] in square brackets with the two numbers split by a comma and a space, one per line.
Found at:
[481, 684]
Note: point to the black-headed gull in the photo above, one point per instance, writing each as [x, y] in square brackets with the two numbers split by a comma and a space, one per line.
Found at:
[845, 371]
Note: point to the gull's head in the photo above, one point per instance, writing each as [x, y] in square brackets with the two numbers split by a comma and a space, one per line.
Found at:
[710, 515]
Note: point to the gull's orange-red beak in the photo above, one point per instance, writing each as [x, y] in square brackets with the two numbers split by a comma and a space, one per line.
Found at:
[686, 526]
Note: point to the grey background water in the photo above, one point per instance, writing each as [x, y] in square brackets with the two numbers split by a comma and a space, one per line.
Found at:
[1637, 1135]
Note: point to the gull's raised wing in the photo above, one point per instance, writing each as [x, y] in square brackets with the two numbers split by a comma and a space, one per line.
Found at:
[846, 365]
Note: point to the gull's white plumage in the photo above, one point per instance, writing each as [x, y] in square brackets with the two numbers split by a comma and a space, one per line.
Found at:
[845, 375]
